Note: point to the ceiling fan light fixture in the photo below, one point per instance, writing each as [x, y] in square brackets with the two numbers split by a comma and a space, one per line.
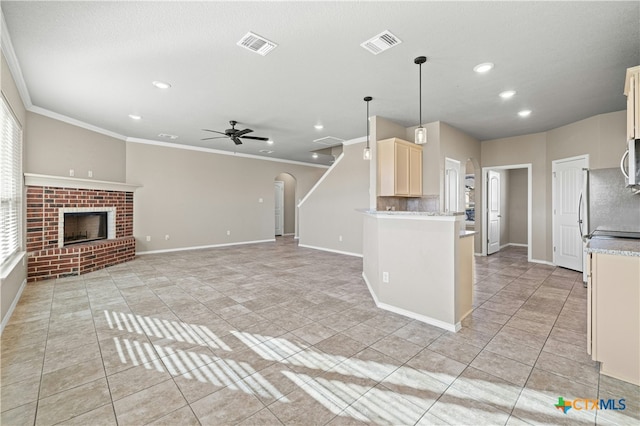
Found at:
[420, 137]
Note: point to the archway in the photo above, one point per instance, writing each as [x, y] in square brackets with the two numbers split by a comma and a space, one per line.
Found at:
[285, 214]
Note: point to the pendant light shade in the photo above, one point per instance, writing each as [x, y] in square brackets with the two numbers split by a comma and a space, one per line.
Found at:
[421, 132]
[366, 154]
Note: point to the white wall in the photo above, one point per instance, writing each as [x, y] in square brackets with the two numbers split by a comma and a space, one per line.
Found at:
[53, 147]
[289, 210]
[196, 196]
[12, 275]
[601, 137]
[518, 206]
[330, 210]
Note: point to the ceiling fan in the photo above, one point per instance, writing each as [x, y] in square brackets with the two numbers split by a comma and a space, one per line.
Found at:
[234, 134]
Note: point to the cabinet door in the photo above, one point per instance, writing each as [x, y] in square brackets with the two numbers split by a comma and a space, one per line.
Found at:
[616, 315]
[402, 169]
[415, 171]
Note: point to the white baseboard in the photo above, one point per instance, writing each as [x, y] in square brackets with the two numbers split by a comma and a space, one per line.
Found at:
[289, 234]
[204, 247]
[330, 250]
[6, 318]
[422, 318]
[544, 262]
[513, 245]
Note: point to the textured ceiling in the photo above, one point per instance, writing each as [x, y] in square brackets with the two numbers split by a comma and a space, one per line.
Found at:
[95, 61]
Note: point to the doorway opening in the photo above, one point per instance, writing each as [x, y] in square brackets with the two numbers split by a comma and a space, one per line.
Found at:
[507, 199]
[285, 211]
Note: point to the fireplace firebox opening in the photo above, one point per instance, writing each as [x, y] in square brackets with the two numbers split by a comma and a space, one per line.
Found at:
[84, 227]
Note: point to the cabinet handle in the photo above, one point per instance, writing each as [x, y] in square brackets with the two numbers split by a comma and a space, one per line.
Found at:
[624, 172]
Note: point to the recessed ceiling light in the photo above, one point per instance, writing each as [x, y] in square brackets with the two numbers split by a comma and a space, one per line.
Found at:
[135, 117]
[525, 113]
[168, 136]
[484, 67]
[507, 94]
[267, 151]
[318, 127]
[269, 142]
[161, 84]
[315, 155]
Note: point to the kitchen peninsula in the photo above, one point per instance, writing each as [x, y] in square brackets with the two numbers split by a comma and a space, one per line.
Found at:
[420, 264]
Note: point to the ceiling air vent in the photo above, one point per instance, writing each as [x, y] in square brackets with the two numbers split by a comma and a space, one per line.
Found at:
[257, 44]
[329, 141]
[383, 41]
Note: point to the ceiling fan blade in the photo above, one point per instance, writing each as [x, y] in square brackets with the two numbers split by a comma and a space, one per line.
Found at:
[216, 137]
[214, 131]
[242, 132]
[257, 138]
[236, 140]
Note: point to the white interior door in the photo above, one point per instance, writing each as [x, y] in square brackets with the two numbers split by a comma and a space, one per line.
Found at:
[493, 211]
[279, 206]
[567, 184]
[451, 185]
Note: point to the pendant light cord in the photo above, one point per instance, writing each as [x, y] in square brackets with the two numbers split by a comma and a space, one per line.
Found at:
[420, 89]
[367, 99]
[367, 124]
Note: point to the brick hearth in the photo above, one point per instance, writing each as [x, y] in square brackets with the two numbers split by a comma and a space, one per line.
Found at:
[47, 260]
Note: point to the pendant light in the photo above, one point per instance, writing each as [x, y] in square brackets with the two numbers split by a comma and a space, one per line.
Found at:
[421, 132]
[367, 151]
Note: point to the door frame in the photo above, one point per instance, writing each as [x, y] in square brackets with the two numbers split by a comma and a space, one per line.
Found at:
[485, 216]
[457, 166]
[277, 183]
[584, 157]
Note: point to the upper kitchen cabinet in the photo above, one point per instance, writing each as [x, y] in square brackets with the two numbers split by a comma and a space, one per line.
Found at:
[632, 91]
[399, 168]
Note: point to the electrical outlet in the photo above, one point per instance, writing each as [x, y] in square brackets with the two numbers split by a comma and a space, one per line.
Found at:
[385, 277]
[90, 173]
[340, 238]
[148, 237]
[166, 237]
[260, 200]
[72, 172]
[228, 232]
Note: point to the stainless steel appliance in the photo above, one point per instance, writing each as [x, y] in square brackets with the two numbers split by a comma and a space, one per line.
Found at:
[632, 171]
[608, 209]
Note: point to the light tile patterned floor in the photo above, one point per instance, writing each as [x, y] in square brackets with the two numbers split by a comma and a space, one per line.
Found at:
[273, 333]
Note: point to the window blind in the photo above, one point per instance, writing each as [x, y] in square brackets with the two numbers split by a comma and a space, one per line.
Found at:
[10, 182]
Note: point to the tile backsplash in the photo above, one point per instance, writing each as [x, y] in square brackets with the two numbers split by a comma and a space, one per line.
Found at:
[426, 203]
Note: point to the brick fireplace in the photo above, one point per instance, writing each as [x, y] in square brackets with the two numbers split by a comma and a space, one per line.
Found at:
[48, 199]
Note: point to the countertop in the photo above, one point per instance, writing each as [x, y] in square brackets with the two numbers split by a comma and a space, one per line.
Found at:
[407, 213]
[615, 246]
[464, 234]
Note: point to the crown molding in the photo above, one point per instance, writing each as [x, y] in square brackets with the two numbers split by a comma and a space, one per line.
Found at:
[74, 122]
[218, 151]
[14, 65]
